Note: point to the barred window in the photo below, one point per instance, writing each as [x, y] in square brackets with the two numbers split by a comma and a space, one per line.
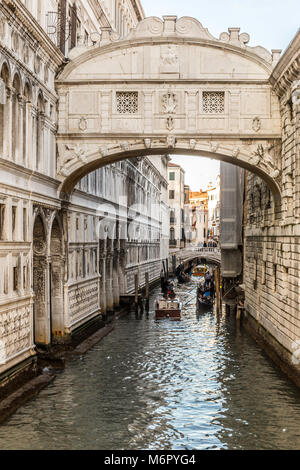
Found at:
[127, 102]
[213, 102]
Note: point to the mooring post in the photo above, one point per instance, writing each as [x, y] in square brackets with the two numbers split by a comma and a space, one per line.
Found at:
[136, 291]
[147, 291]
[217, 284]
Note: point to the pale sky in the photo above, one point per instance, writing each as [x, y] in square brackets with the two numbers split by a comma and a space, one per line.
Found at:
[270, 23]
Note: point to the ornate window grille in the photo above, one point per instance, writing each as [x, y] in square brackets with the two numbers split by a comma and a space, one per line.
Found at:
[213, 102]
[127, 102]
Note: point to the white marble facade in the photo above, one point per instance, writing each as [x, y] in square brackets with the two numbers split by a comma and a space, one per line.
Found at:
[62, 265]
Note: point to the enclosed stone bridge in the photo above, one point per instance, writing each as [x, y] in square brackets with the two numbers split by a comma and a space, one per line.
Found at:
[169, 87]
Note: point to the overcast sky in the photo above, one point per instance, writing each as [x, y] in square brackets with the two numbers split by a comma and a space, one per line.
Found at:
[270, 23]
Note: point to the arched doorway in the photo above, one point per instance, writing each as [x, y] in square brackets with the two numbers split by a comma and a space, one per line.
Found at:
[42, 334]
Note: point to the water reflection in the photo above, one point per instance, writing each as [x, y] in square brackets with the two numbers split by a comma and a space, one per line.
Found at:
[201, 383]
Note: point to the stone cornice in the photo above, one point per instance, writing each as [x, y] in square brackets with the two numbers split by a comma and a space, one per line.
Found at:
[99, 13]
[288, 68]
[17, 10]
[138, 9]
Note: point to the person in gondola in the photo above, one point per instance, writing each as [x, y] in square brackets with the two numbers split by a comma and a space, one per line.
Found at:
[172, 294]
[165, 288]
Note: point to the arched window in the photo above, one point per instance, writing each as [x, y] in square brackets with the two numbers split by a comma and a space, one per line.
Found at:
[16, 115]
[39, 131]
[4, 110]
[26, 123]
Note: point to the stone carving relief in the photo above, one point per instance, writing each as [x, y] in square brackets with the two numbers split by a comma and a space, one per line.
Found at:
[170, 123]
[236, 151]
[233, 37]
[15, 330]
[15, 42]
[193, 143]
[170, 56]
[169, 102]
[103, 149]
[148, 27]
[169, 59]
[214, 147]
[188, 26]
[70, 154]
[125, 146]
[256, 124]
[147, 143]
[37, 64]
[171, 141]
[261, 157]
[82, 124]
[296, 92]
[25, 53]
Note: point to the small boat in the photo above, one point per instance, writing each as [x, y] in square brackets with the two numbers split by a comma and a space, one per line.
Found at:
[204, 295]
[168, 308]
[183, 278]
[200, 270]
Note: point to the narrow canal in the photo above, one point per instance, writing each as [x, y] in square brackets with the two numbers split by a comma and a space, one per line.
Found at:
[201, 383]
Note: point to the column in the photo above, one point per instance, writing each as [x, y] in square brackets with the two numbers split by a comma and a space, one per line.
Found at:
[109, 277]
[21, 105]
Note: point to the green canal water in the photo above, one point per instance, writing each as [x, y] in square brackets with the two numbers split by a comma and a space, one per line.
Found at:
[201, 383]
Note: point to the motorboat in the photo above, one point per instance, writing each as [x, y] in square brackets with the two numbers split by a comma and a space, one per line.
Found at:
[168, 308]
[200, 270]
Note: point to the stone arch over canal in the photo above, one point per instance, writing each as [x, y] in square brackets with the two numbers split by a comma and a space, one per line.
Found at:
[169, 87]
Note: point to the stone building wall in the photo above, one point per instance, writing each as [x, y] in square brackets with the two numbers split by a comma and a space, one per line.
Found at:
[56, 272]
[272, 238]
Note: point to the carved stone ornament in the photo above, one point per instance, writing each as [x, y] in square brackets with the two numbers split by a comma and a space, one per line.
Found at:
[171, 141]
[103, 149]
[147, 143]
[193, 143]
[25, 53]
[74, 153]
[37, 64]
[169, 102]
[296, 92]
[170, 56]
[125, 146]
[170, 123]
[214, 147]
[169, 62]
[262, 157]
[46, 73]
[82, 125]
[236, 151]
[256, 124]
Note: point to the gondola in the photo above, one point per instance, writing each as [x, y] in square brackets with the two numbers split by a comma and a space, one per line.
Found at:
[205, 295]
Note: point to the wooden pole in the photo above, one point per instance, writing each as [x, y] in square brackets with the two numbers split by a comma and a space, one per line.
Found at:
[147, 291]
[217, 284]
[147, 285]
[136, 290]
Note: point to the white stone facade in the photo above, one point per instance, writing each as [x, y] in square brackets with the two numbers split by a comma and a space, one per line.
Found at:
[176, 203]
[56, 272]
